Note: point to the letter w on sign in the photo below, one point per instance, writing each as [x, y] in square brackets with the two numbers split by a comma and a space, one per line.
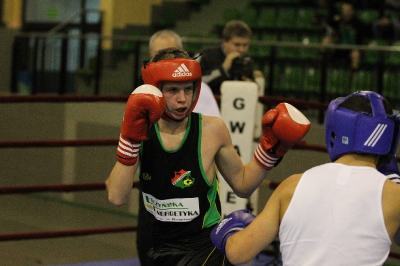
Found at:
[238, 125]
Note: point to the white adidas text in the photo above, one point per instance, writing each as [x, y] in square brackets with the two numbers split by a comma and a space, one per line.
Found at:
[182, 71]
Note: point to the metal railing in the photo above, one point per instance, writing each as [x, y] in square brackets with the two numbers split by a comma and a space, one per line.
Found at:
[71, 19]
[318, 77]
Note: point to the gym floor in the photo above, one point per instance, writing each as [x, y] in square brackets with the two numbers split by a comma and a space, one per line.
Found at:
[42, 212]
[23, 213]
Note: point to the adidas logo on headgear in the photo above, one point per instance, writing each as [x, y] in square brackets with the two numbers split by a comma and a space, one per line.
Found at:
[182, 71]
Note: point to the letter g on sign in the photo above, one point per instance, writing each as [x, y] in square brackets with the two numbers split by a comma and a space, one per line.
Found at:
[238, 103]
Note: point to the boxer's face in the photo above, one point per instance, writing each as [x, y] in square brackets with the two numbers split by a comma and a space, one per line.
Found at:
[178, 97]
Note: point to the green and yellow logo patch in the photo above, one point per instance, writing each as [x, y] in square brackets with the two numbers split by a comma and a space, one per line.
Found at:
[183, 179]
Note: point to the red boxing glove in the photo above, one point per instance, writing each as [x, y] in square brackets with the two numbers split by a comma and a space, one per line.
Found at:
[145, 107]
[282, 127]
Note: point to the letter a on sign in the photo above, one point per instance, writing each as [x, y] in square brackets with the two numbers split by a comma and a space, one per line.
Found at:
[238, 108]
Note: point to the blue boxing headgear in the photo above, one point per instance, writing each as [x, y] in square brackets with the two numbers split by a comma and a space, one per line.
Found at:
[348, 131]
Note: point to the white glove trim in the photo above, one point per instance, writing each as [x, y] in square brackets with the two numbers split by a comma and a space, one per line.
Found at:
[296, 115]
[264, 158]
[127, 148]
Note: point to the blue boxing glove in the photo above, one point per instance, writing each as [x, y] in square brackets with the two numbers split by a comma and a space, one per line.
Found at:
[391, 170]
[233, 222]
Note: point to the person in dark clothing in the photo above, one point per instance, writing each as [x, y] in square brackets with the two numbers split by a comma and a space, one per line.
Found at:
[387, 27]
[345, 28]
[177, 153]
[206, 105]
[230, 60]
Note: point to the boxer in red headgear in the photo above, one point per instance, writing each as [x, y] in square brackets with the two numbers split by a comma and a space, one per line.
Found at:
[179, 152]
[175, 70]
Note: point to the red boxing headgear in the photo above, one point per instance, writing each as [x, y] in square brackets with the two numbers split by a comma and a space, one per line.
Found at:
[174, 70]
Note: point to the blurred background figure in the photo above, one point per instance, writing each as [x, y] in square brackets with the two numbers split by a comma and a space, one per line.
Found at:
[230, 60]
[343, 26]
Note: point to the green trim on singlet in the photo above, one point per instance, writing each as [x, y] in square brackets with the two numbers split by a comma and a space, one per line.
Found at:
[212, 216]
[203, 173]
[182, 142]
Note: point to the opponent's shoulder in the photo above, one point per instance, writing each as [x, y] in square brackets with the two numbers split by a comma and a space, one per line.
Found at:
[391, 189]
[283, 194]
[289, 184]
[292, 180]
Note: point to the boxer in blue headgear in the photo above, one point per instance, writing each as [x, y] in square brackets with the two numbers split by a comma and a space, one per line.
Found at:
[362, 122]
[344, 212]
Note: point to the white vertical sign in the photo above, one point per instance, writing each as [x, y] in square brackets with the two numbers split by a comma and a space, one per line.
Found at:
[238, 107]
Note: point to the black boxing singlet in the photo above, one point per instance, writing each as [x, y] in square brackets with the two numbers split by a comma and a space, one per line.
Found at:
[177, 195]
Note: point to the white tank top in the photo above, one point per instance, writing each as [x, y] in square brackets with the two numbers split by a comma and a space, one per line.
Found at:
[336, 218]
